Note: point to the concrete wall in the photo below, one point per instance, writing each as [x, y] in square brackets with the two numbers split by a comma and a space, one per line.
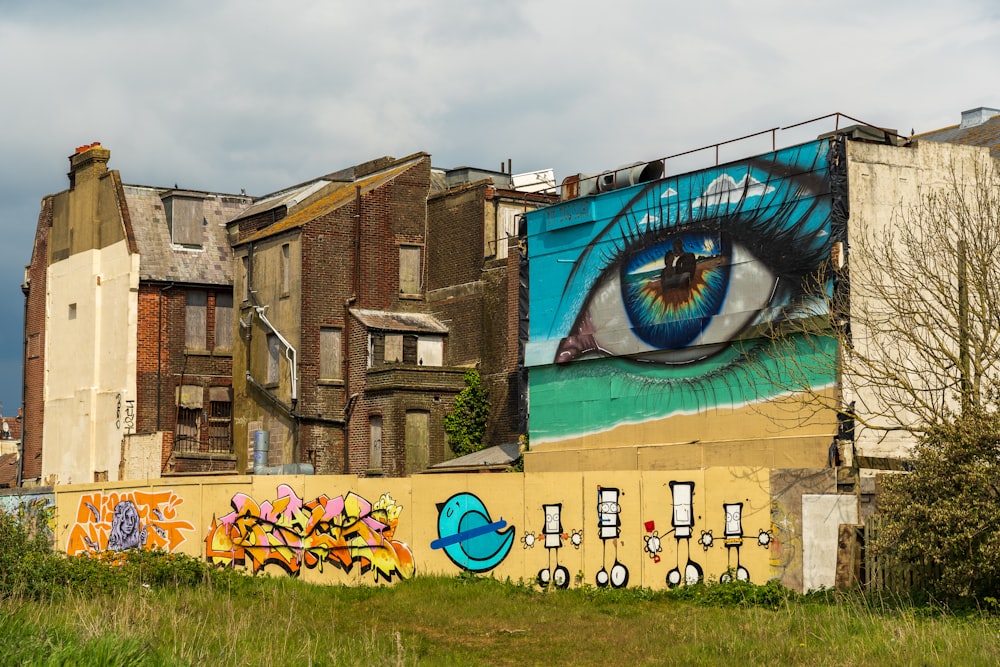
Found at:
[614, 529]
[887, 184]
[622, 356]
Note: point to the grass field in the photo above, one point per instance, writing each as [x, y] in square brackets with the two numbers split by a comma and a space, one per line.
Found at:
[476, 621]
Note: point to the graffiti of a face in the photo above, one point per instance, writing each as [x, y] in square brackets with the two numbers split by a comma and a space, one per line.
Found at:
[126, 530]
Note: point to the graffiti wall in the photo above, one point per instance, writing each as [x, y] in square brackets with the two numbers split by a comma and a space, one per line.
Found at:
[36, 511]
[618, 529]
[657, 302]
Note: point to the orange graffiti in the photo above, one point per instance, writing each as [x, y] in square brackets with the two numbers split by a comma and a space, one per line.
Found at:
[123, 520]
[344, 531]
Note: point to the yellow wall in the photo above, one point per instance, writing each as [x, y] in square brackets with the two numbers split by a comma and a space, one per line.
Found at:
[401, 535]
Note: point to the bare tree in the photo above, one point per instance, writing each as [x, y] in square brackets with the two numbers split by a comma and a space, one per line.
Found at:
[913, 311]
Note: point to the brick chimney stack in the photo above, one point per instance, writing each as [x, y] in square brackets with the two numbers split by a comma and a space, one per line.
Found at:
[88, 162]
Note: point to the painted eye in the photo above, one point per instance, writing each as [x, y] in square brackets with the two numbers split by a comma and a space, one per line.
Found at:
[675, 301]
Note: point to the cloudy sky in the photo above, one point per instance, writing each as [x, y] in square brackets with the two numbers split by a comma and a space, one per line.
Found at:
[260, 94]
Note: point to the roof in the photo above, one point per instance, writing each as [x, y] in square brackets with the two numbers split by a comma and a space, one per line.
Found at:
[985, 133]
[334, 195]
[498, 457]
[161, 260]
[382, 320]
[8, 470]
[287, 198]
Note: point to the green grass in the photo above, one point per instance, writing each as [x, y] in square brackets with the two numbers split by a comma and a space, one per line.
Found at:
[479, 621]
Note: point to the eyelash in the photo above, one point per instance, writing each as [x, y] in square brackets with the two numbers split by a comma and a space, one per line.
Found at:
[763, 231]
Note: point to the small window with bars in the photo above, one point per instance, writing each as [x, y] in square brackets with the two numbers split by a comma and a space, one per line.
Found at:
[220, 426]
[187, 429]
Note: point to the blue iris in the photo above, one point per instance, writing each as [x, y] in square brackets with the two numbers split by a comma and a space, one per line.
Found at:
[669, 315]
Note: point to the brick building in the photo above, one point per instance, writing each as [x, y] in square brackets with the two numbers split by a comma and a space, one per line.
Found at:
[128, 330]
[364, 296]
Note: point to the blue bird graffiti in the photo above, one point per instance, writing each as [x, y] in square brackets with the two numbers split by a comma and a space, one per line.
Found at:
[469, 537]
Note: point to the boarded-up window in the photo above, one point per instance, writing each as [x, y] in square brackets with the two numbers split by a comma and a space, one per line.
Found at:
[393, 348]
[375, 448]
[417, 440]
[246, 279]
[195, 313]
[430, 351]
[409, 349]
[273, 358]
[186, 218]
[34, 346]
[329, 354]
[223, 321]
[286, 270]
[410, 269]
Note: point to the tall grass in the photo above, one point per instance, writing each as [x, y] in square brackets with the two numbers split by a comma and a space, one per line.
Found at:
[159, 609]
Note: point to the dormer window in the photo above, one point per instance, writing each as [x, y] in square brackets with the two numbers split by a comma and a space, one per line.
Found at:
[185, 219]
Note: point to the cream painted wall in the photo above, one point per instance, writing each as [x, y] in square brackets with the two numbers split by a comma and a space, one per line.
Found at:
[885, 182]
[90, 362]
[616, 528]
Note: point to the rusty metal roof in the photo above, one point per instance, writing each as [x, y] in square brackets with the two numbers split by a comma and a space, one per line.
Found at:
[382, 320]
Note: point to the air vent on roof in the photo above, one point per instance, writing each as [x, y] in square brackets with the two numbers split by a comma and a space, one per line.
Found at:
[977, 116]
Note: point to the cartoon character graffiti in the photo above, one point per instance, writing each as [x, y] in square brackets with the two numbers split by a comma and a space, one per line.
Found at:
[469, 537]
[682, 521]
[609, 529]
[125, 520]
[344, 531]
[553, 537]
[733, 539]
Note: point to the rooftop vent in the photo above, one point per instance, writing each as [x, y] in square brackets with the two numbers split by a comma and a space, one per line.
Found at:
[977, 116]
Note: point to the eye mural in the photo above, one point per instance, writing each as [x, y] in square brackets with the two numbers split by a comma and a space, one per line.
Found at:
[655, 299]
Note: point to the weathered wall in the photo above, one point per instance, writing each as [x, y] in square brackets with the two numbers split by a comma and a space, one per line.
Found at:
[648, 313]
[90, 360]
[615, 529]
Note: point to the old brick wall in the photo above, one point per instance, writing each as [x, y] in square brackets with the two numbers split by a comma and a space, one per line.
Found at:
[34, 330]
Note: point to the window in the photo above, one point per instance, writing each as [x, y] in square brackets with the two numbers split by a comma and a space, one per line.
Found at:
[375, 446]
[220, 420]
[72, 311]
[405, 349]
[410, 269]
[330, 354]
[273, 358]
[223, 321]
[187, 429]
[286, 271]
[34, 346]
[195, 311]
[186, 219]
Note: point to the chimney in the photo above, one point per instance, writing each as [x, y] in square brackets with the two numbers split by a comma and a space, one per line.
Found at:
[88, 162]
[977, 116]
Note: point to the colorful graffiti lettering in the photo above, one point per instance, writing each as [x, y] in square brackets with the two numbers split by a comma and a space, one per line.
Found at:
[344, 531]
[124, 520]
[469, 537]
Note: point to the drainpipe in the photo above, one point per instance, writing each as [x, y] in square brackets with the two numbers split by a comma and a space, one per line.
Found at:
[25, 288]
[261, 446]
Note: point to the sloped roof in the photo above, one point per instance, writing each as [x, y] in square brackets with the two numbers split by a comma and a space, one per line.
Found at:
[334, 194]
[159, 259]
[382, 320]
[286, 198]
[986, 134]
[491, 458]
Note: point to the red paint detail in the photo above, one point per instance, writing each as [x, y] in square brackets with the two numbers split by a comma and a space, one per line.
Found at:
[650, 526]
